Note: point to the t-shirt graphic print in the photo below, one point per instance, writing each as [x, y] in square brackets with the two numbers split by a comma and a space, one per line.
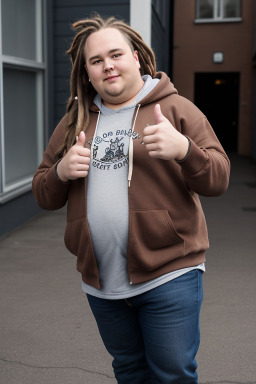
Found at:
[111, 152]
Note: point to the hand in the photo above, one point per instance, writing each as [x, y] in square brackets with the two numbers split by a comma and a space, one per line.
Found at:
[76, 162]
[162, 140]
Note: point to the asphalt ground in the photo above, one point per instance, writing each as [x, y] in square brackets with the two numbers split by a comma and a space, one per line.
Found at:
[48, 334]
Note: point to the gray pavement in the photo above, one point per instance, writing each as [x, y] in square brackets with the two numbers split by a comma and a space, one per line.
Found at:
[48, 334]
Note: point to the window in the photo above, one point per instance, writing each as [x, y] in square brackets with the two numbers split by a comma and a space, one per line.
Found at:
[22, 74]
[218, 10]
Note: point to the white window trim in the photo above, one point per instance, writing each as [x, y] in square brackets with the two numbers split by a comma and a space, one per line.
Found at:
[216, 18]
[1, 110]
[219, 20]
[141, 24]
[39, 67]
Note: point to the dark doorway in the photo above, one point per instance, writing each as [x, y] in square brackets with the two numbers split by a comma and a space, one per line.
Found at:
[217, 96]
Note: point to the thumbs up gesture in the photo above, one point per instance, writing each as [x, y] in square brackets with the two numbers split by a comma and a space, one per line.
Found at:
[76, 162]
[162, 140]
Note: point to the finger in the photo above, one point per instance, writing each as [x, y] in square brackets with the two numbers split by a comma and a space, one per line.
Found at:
[82, 167]
[149, 139]
[152, 147]
[155, 154]
[159, 117]
[82, 174]
[83, 160]
[80, 140]
[150, 130]
[84, 152]
[78, 175]
[77, 150]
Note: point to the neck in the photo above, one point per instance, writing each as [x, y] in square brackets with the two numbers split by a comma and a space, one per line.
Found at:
[130, 101]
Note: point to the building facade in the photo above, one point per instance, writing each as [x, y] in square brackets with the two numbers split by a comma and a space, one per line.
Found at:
[34, 81]
[212, 65]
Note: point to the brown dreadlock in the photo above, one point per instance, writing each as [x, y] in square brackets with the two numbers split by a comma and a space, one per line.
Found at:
[82, 92]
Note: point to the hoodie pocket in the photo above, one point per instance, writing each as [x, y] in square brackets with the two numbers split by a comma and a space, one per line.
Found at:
[77, 237]
[153, 240]
[72, 234]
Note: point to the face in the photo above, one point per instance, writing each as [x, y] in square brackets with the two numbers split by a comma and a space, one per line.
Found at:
[113, 68]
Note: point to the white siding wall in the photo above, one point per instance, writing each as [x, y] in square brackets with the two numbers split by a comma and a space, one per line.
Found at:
[140, 18]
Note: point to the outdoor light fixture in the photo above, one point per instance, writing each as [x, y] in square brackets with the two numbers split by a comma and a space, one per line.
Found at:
[218, 57]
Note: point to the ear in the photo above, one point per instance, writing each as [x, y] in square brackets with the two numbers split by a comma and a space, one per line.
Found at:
[136, 57]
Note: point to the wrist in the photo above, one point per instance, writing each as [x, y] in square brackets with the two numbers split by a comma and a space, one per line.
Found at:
[59, 175]
[185, 152]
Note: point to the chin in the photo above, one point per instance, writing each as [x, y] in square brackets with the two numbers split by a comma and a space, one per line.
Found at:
[113, 95]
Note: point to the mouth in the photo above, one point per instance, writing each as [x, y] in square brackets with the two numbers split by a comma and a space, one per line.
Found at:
[111, 78]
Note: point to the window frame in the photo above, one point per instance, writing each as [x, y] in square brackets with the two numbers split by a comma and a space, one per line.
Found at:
[218, 4]
[39, 67]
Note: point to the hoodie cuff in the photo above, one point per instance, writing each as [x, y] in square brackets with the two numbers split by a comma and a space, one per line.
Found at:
[194, 160]
[57, 175]
[188, 151]
[53, 182]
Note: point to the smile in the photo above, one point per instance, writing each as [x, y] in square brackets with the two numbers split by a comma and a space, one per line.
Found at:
[109, 78]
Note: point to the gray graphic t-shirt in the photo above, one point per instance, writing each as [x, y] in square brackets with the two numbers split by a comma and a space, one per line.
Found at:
[107, 197]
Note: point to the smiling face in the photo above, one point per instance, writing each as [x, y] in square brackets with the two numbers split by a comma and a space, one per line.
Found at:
[112, 67]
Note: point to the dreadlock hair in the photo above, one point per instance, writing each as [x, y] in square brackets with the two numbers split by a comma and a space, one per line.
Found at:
[82, 92]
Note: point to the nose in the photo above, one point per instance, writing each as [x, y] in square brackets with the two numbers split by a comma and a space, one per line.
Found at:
[108, 65]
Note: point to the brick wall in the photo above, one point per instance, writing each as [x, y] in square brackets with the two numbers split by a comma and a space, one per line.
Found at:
[194, 45]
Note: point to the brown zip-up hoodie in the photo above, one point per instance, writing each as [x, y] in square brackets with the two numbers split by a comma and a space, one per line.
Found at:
[167, 228]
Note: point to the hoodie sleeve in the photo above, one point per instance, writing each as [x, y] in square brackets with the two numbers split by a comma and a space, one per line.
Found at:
[50, 192]
[206, 169]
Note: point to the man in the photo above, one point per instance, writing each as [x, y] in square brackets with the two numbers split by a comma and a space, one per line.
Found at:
[130, 157]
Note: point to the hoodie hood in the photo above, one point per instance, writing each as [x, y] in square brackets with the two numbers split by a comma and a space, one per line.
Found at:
[163, 89]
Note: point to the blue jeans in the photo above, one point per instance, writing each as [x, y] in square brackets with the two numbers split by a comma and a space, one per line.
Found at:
[154, 337]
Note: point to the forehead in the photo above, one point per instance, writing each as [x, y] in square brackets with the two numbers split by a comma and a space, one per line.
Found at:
[105, 40]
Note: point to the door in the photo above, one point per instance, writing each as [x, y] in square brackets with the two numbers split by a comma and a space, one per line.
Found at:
[217, 96]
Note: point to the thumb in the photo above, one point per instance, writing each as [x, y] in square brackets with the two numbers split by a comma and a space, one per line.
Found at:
[159, 117]
[80, 140]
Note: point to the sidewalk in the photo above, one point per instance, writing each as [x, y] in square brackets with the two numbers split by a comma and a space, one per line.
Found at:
[48, 334]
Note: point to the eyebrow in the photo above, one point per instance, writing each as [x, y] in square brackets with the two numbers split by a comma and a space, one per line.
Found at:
[110, 52]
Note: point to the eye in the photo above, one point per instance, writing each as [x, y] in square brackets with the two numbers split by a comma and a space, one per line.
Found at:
[97, 61]
[116, 55]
